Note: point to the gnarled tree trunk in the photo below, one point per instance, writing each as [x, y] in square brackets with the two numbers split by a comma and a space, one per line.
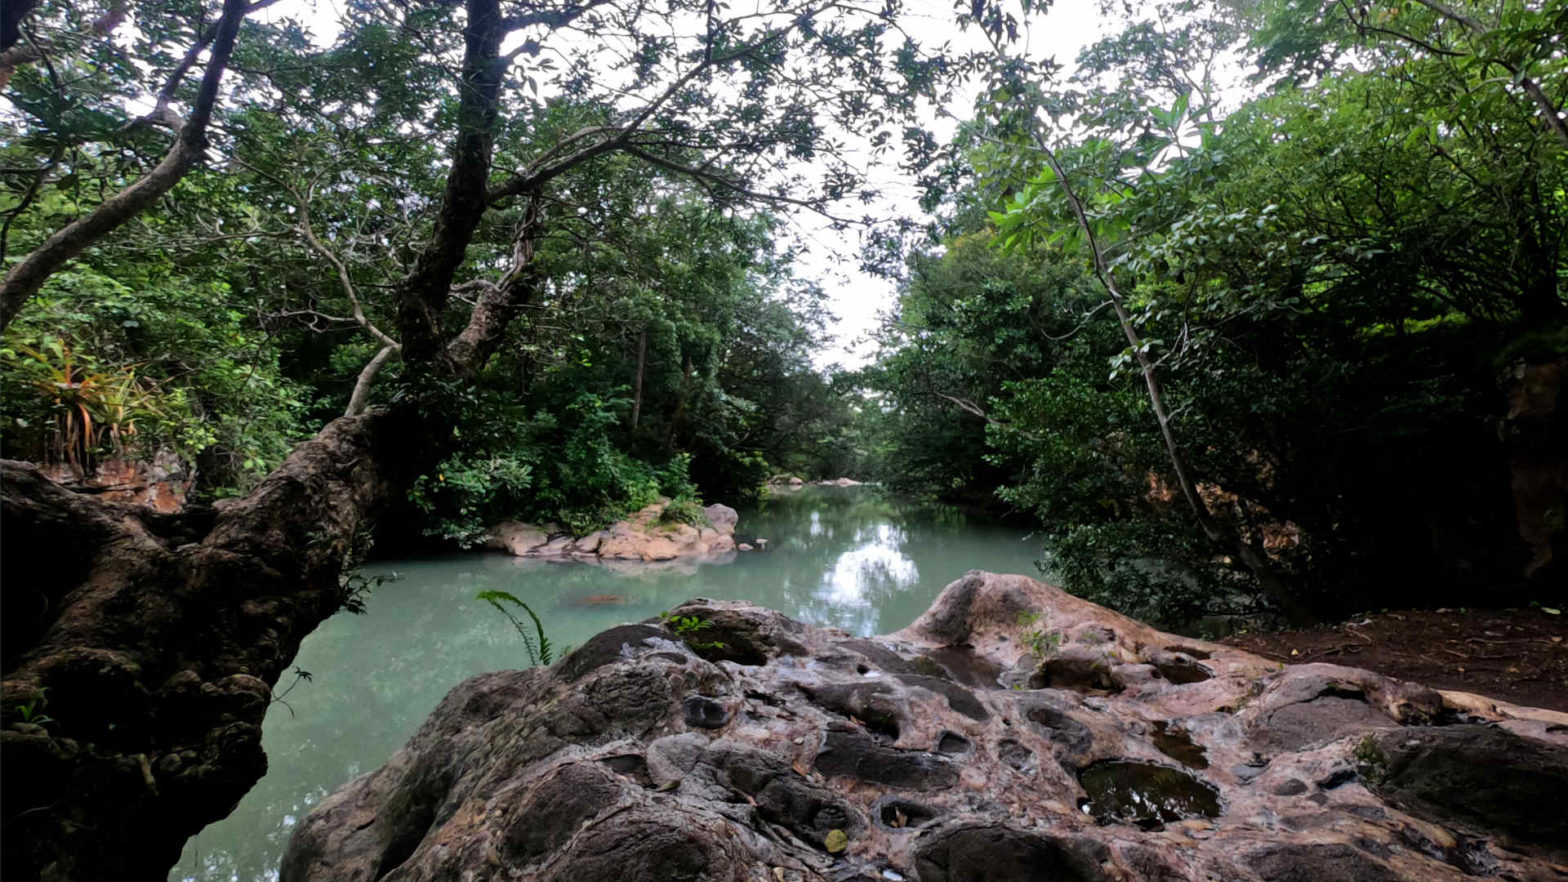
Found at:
[144, 646]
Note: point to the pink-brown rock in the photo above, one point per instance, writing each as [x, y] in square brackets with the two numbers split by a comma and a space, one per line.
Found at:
[643, 536]
[768, 750]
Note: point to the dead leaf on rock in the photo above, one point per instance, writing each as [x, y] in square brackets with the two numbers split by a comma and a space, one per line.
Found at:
[837, 841]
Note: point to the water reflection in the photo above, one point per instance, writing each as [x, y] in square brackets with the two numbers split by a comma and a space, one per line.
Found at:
[846, 558]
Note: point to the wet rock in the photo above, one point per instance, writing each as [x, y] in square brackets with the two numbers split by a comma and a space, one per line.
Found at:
[609, 646]
[1480, 777]
[1015, 755]
[1179, 668]
[1317, 863]
[958, 698]
[644, 537]
[1072, 740]
[1002, 854]
[877, 704]
[797, 753]
[953, 743]
[703, 712]
[851, 753]
[1078, 668]
[1138, 792]
[897, 813]
[1177, 744]
[1318, 721]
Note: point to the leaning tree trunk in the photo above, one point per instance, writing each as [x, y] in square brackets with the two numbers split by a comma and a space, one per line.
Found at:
[143, 647]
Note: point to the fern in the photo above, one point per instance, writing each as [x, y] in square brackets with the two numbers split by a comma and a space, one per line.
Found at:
[540, 649]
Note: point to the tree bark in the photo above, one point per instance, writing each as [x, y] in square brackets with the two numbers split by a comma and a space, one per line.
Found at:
[680, 406]
[151, 643]
[27, 276]
[423, 295]
[642, 355]
[367, 376]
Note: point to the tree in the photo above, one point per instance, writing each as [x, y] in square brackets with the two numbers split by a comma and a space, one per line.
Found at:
[25, 277]
[1327, 282]
[154, 641]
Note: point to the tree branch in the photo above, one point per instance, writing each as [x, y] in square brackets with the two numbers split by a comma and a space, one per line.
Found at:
[26, 277]
[1262, 568]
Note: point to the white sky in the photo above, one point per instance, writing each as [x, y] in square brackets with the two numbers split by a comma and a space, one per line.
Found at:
[858, 298]
[831, 258]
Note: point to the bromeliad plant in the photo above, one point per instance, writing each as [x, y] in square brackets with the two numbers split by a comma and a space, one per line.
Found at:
[92, 409]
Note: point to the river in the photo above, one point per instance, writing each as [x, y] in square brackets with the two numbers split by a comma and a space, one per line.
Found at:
[848, 558]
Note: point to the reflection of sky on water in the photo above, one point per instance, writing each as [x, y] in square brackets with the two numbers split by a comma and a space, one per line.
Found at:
[877, 560]
[874, 567]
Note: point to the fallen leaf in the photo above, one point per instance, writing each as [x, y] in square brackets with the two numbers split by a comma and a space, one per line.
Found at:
[1550, 611]
[1294, 652]
[837, 841]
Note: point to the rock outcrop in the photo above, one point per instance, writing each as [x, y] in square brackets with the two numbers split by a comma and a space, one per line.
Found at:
[1012, 733]
[645, 536]
[160, 483]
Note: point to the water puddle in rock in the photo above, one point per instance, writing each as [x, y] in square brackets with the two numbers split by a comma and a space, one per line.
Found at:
[1145, 794]
[1177, 744]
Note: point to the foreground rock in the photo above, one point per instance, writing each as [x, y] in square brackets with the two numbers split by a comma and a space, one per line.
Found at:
[645, 536]
[949, 751]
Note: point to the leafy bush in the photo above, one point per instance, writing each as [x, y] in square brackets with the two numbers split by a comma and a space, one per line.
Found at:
[542, 469]
[685, 510]
[167, 363]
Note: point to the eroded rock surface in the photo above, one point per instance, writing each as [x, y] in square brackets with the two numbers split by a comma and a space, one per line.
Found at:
[798, 753]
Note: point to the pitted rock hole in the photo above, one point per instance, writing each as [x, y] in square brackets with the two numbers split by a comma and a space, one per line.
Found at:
[851, 753]
[963, 666]
[953, 743]
[1145, 793]
[1017, 756]
[1079, 669]
[903, 814]
[703, 712]
[1182, 671]
[1177, 744]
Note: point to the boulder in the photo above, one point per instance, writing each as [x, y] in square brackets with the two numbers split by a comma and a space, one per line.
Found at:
[643, 537]
[722, 518]
[516, 538]
[767, 749]
[160, 483]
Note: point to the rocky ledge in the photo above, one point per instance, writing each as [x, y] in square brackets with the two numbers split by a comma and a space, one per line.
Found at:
[645, 536]
[1012, 733]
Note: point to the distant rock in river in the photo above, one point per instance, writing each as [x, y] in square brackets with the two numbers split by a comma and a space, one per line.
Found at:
[645, 536]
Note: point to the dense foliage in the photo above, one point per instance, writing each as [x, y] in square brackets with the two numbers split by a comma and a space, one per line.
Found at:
[667, 351]
[1232, 312]
[1333, 284]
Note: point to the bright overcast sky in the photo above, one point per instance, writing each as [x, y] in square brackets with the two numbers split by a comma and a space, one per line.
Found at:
[858, 298]
[830, 257]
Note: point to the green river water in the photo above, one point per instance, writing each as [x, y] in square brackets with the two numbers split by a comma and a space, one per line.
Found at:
[847, 558]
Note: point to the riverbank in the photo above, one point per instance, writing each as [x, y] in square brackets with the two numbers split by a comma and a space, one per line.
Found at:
[853, 559]
[1520, 655]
